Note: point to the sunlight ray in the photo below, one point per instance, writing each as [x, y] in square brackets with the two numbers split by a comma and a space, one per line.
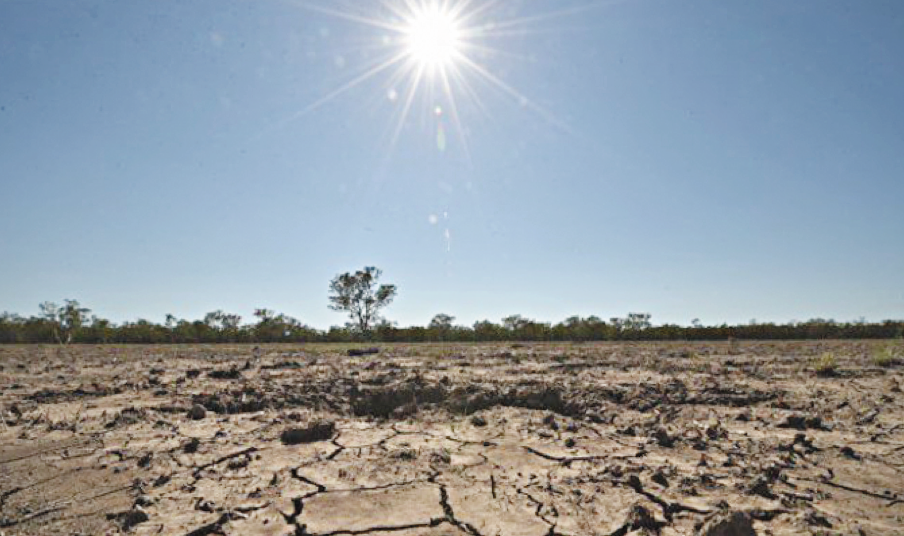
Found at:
[512, 92]
[370, 73]
[456, 118]
[543, 17]
[352, 84]
[409, 99]
[496, 52]
[348, 16]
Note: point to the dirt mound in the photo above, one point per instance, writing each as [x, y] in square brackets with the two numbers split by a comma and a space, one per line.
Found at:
[403, 396]
[53, 396]
[313, 432]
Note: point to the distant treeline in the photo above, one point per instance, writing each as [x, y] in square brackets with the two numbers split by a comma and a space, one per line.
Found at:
[73, 323]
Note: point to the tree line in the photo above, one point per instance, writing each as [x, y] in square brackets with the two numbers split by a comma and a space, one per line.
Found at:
[359, 295]
[73, 323]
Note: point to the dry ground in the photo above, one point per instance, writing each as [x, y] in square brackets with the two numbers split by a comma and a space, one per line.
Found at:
[434, 440]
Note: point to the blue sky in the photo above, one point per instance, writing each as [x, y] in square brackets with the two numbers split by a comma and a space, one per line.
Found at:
[714, 159]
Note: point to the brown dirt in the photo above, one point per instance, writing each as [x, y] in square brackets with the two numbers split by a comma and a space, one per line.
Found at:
[418, 440]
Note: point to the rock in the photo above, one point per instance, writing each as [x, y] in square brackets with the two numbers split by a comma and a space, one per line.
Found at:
[197, 412]
[477, 420]
[315, 431]
[728, 524]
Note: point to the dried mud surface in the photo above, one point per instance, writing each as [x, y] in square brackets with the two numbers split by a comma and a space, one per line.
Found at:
[436, 440]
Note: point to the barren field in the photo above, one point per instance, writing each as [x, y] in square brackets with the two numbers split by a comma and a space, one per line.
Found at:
[435, 440]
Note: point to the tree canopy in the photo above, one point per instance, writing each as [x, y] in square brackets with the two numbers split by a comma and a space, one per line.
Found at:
[359, 296]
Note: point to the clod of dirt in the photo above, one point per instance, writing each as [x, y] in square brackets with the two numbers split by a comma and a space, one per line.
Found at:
[641, 518]
[659, 478]
[197, 412]
[192, 446]
[728, 524]
[848, 452]
[803, 422]
[814, 518]
[145, 461]
[760, 486]
[230, 374]
[239, 463]
[405, 454]
[358, 352]
[128, 520]
[663, 439]
[315, 431]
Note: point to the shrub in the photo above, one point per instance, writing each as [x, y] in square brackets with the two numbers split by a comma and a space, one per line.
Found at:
[885, 357]
[826, 365]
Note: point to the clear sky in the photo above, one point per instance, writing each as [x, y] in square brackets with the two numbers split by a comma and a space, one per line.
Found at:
[714, 159]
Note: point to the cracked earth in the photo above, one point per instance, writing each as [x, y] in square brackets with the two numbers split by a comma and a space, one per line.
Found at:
[436, 440]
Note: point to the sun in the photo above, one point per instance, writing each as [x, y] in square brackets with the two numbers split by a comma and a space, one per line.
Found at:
[434, 56]
[432, 37]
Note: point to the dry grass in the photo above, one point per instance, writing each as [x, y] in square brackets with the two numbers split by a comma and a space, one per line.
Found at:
[826, 364]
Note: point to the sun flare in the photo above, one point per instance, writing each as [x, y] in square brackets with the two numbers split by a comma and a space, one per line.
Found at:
[434, 55]
[432, 37]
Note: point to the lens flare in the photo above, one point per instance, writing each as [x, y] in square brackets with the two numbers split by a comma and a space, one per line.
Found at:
[431, 52]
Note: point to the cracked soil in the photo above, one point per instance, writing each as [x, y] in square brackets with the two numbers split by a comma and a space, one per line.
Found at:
[450, 439]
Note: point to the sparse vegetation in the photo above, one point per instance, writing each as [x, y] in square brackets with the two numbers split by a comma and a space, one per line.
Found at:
[885, 357]
[826, 364]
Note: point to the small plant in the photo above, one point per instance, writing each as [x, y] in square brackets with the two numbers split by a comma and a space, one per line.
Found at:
[885, 357]
[826, 365]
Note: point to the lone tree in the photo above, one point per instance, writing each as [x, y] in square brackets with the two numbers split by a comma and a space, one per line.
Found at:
[358, 295]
